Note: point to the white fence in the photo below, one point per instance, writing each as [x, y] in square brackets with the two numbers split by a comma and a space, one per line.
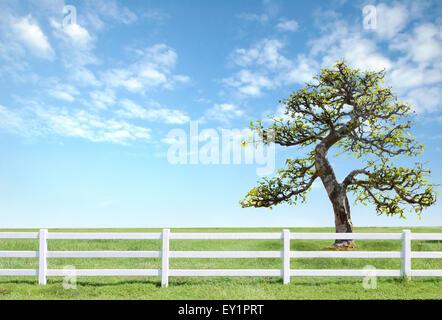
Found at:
[165, 272]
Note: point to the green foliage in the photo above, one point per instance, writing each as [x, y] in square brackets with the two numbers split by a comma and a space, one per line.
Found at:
[270, 192]
[388, 188]
[353, 112]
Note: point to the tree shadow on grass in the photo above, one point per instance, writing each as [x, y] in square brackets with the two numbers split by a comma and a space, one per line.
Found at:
[180, 282]
[155, 283]
[82, 282]
[314, 281]
[224, 281]
[18, 281]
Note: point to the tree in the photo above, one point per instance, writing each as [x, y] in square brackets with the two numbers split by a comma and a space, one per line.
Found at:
[354, 113]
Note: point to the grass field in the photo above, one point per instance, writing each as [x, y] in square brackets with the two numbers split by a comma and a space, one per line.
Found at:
[220, 287]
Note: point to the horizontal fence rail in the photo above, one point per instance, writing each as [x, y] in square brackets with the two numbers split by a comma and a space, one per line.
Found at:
[165, 254]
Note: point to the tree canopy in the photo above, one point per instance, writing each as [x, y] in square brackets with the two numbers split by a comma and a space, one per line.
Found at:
[353, 112]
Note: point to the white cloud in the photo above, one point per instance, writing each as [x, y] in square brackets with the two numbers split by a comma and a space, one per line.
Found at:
[287, 25]
[223, 113]
[131, 109]
[427, 46]
[424, 45]
[265, 67]
[417, 74]
[83, 76]
[112, 10]
[390, 20]
[160, 114]
[340, 42]
[153, 69]
[28, 32]
[270, 9]
[155, 14]
[73, 123]
[265, 53]
[160, 55]
[203, 100]
[102, 99]
[8, 119]
[122, 78]
[153, 76]
[261, 18]
[64, 92]
[425, 99]
[101, 15]
[416, 68]
[302, 70]
[167, 116]
[361, 53]
[92, 19]
[405, 74]
[78, 36]
[181, 78]
[82, 124]
[62, 95]
[169, 140]
[76, 51]
[248, 83]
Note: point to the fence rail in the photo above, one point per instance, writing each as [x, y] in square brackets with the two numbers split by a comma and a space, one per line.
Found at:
[165, 254]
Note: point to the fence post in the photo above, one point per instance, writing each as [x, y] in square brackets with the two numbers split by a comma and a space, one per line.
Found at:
[406, 254]
[165, 259]
[286, 256]
[42, 256]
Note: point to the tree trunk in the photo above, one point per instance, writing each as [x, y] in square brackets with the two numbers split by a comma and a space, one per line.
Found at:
[335, 191]
[343, 223]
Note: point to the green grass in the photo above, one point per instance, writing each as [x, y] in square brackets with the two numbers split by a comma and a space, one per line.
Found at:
[220, 287]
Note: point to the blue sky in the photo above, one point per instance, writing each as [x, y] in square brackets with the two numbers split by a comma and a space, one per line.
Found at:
[87, 102]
